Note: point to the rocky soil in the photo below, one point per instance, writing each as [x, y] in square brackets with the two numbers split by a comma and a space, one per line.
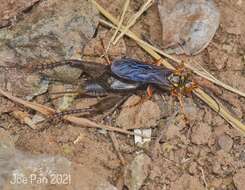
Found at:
[207, 154]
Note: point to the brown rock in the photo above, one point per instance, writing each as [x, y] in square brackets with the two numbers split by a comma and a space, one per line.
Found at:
[187, 182]
[216, 183]
[225, 142]
[219, 59]
[173, 130]
[235, 63]
[11, 9]
[193, 168]
[235, 79]
[201, 134]
[239, 179]
[136, 114]
[216, 168]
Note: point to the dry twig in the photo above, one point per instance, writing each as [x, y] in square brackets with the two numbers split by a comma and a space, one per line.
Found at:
[119, 25]
[133, 19]
[116, 146]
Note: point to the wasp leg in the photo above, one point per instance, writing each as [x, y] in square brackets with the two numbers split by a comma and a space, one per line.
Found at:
[144, 98]
[190, 87]
[149, 91]
[158, 62]
[179, 96]
[182, 107]
[105, 54]
[58, 116]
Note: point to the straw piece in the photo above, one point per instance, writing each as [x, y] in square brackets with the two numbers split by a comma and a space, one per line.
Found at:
[218, 107]
[75, 120]
[198, 92]
[24, 118]
[142, 43]
[120, 23]
[133, 19]
[38, 107]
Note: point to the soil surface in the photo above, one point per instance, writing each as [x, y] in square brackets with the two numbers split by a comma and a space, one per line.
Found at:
[206, 154]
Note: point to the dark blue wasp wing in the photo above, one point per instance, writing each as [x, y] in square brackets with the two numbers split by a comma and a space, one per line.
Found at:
[134, 70]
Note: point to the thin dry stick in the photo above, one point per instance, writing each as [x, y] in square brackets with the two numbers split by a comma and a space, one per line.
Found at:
[116, 146]
[204, 178]
[201, 94]
[133, 19]
[38, 107]
[119, 25]
[75, 120]
[219, 108]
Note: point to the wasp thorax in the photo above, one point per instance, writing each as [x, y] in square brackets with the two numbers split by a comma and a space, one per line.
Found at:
[174, 80]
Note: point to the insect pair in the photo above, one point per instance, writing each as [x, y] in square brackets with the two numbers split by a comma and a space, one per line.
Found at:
[126, 76]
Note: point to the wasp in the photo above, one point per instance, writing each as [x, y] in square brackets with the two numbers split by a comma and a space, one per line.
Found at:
[127, 74]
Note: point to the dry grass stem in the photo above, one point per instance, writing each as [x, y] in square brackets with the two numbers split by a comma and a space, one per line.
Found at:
[125, 7]
[117, 147]
[133, 19]
[24, 118]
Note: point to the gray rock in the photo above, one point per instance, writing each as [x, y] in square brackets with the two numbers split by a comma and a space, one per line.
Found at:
[61, 101]
[225, 142]
[53, 30]
[188, 25]
[28, 169]
[137, 171]
[38, 86]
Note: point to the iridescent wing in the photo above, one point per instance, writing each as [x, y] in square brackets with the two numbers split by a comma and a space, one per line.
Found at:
[137, 71]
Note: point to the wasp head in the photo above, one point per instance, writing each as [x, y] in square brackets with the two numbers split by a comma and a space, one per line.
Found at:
[179, 81]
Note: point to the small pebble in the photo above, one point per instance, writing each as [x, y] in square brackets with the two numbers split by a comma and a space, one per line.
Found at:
[225, 142]
[201, 134]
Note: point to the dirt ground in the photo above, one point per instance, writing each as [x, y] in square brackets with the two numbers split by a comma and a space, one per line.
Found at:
[208, 154]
